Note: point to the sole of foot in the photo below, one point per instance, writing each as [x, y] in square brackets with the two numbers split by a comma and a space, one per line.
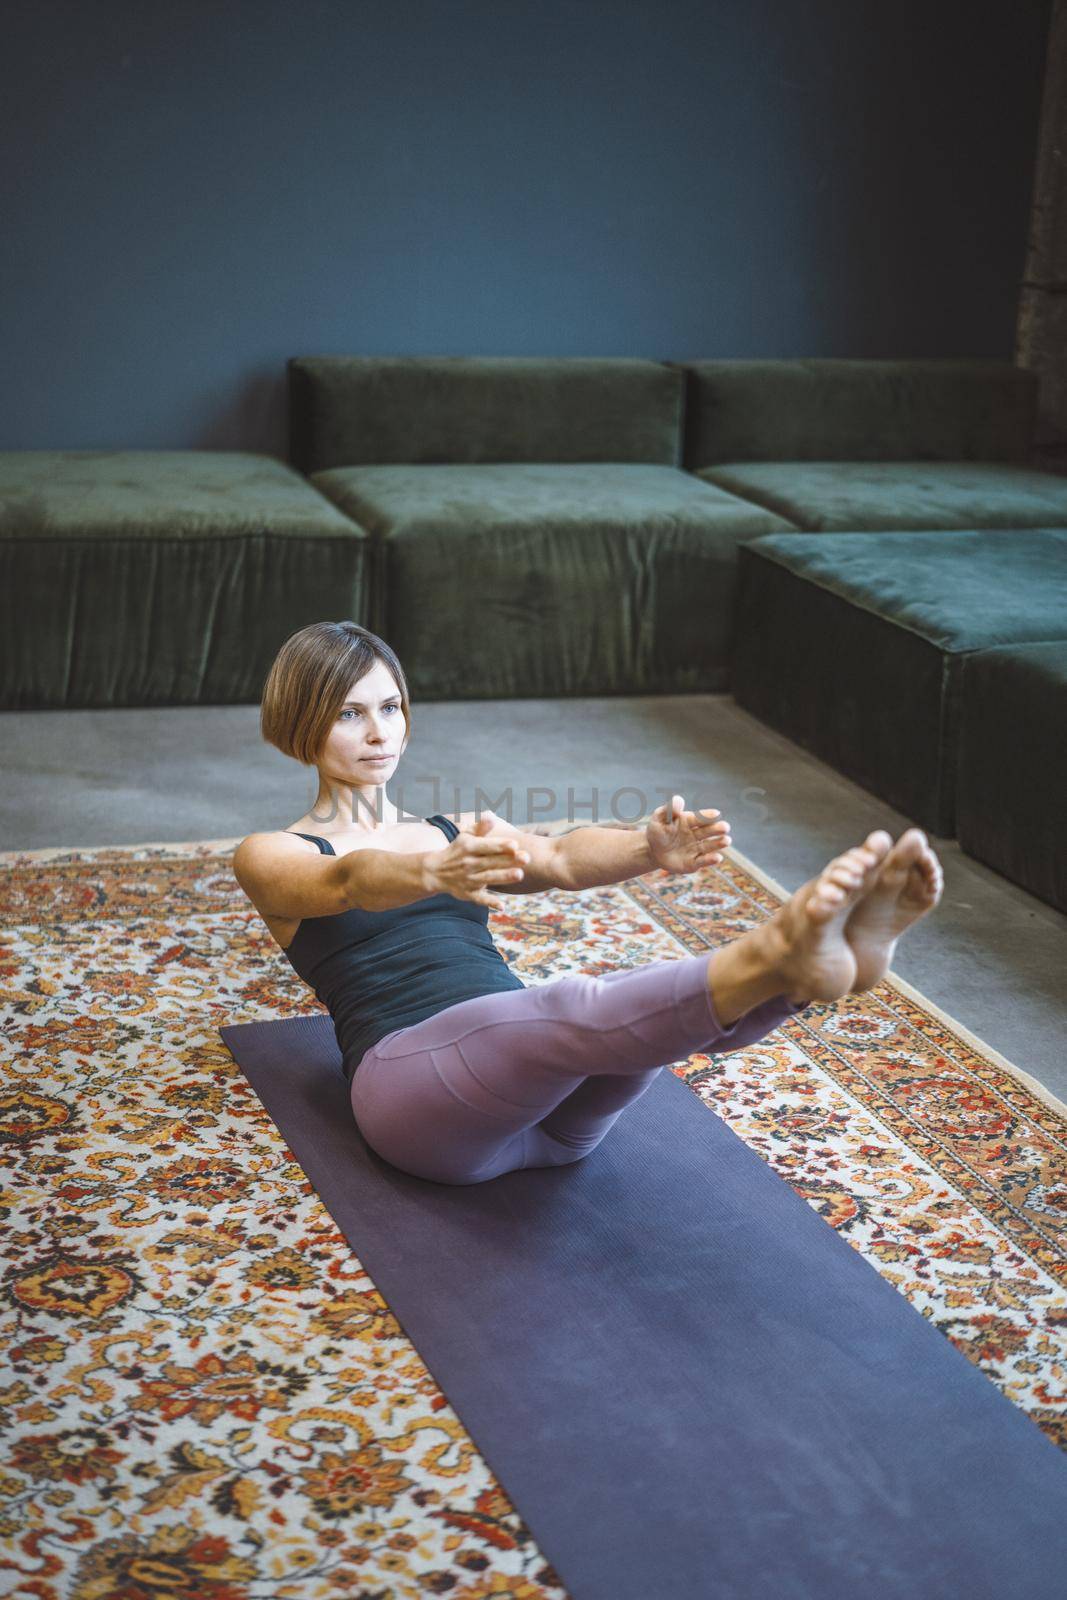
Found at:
[815, 957]
[908, 884]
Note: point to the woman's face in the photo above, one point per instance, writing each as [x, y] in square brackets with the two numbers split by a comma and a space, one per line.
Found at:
[370, 724]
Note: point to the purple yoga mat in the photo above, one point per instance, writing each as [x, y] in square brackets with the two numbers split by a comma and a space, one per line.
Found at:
[689, 1386]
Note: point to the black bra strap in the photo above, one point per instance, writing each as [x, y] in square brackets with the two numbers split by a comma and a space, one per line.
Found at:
[448, 828]
[325, 847]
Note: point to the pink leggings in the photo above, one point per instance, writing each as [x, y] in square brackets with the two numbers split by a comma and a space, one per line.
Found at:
[535, 1077]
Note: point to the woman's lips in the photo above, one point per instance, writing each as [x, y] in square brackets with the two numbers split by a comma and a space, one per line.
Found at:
[378, 759]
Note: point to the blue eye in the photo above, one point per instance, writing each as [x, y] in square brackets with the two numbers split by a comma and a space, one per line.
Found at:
[349, 711]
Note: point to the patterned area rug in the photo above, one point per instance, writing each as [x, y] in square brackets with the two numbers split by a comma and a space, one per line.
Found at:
[205, 1395]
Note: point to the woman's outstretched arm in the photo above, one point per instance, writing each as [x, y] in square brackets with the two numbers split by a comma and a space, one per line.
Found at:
[591, 856]
[577, 860]
[673, 838]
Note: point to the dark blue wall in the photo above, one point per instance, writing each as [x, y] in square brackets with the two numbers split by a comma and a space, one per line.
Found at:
[192, 192]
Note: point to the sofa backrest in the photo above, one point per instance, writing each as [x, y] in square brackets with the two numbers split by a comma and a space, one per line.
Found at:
[369, 410]
[829, 409]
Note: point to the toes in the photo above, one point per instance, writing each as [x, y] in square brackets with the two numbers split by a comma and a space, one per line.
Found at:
[863, 860]
[857, 863]
[849, 862]
[929, 878]
[867, 855]
[909, 850]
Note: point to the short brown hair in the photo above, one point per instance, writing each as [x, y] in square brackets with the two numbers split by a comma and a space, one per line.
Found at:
[309, 681]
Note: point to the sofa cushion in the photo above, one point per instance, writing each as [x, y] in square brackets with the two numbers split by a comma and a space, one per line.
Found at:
[852, 646]
[848, 496]
[366, 410]
[1012, 788]
[536, 579]
[162, 577]
[830, 409]
[181, 493]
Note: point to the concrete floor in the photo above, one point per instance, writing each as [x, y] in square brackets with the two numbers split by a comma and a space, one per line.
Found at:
[991, 956]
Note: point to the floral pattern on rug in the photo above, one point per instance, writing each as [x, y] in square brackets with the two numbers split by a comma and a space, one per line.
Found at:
[206, 1396]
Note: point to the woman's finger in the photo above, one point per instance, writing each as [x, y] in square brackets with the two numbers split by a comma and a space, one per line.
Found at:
[495, 847]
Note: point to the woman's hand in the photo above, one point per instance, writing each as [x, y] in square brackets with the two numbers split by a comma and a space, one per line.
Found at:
[472, 862]
[683, 841]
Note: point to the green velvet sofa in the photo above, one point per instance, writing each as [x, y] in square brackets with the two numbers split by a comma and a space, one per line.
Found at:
[855, 646]
[535, 533]
[559, 518]
[1012, 776]
[145, 577]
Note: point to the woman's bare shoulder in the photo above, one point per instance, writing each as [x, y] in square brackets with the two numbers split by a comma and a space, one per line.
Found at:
[256, 848]
[276, 836]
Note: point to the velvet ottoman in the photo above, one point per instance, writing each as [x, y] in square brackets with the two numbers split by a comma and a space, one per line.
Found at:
[540, 579]
[133, 578]
[1012, 790]
[854, 646]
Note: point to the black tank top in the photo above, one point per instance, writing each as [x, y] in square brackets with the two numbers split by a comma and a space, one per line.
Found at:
[379, 970]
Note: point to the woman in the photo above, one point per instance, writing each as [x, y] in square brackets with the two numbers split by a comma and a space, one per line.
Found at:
[458, 1070]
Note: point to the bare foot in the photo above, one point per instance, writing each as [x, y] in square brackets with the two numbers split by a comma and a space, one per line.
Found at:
[906, 886]
[813, 957]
